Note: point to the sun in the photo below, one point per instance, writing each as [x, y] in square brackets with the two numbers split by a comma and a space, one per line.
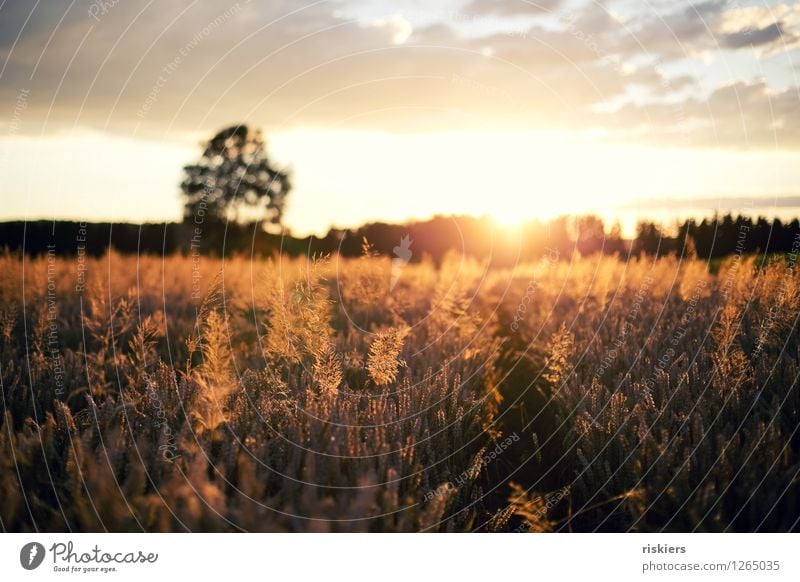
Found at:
[508, 218]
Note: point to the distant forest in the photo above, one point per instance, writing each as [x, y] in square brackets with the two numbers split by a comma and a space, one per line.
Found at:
[476, 237]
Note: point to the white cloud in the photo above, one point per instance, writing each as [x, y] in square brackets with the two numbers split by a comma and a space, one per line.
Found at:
[396, 26]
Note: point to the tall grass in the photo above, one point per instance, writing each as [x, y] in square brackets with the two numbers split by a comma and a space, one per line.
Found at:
[344, 395]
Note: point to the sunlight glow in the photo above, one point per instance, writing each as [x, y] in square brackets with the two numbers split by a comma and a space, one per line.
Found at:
[346, 179]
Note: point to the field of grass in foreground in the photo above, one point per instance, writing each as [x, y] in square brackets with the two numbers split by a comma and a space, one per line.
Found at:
[590, 394]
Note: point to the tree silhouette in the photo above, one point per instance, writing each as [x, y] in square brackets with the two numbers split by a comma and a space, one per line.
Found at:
[234, 180]
[650, 239]
[589, 234]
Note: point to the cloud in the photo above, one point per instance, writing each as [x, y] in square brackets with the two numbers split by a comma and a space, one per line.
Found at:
[181, 62]
[675, 34]
[399, 28]
[710, 26]
[189, 67]
[749, 37]
[511, 7]
[737, 115]
[770, 31]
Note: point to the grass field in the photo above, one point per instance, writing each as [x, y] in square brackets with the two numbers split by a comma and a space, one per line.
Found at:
[583, 394]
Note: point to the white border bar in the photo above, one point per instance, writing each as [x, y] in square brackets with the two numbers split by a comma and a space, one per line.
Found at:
[410, 557]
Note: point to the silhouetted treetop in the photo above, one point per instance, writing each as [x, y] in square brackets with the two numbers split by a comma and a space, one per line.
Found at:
[234, 180]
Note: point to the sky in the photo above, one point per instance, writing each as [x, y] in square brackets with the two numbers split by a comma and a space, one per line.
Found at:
[405, 109]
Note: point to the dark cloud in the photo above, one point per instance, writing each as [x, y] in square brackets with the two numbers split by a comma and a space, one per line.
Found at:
[749, 37]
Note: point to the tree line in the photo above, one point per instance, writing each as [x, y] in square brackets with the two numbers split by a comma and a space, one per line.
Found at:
[463, 235]
[233, 191]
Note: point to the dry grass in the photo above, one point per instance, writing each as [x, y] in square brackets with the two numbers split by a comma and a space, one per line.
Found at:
[335, 395]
